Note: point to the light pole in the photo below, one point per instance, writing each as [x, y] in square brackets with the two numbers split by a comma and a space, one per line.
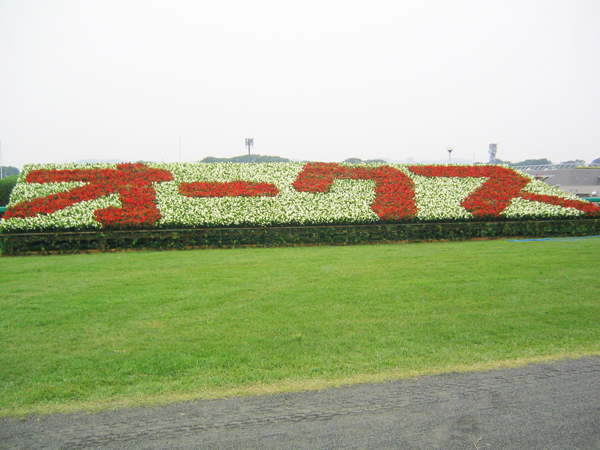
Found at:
[450, 146]
[249, 144]
[493, 150]
[1, 172]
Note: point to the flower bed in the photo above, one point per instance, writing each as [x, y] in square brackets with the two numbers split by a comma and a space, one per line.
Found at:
[170, 196]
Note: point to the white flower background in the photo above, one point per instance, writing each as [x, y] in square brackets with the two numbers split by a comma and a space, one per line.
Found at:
[347, 202]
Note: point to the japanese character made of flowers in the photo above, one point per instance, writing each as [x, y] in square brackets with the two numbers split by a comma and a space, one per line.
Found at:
[393, 200]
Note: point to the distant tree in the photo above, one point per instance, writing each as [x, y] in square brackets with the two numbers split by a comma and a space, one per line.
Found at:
[245, 159]
[366, 161]
[499, 161]
[595, 162]
[533, 162]
[6, 186]
[212, 159]
[580, 162]
[7, 171]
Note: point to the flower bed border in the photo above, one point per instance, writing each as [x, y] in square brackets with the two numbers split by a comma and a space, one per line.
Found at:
[18, 244]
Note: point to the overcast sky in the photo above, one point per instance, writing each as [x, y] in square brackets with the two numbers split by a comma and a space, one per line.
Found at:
[316, 80]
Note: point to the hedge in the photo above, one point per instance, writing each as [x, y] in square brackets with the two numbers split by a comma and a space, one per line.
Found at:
[203, 238]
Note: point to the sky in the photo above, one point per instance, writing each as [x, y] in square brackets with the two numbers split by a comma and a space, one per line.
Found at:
[309, 80]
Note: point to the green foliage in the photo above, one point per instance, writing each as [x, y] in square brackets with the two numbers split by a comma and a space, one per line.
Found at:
[245, 159]
[6, 186]
[8, 171]
[533, 162]
[156, 239]
[92, 331]
[529, 162]
[367, 161]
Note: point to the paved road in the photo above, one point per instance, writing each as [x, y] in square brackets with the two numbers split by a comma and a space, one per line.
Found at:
[542, 406]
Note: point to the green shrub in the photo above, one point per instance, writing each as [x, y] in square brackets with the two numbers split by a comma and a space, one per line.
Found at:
[6, 186]
[106, 241]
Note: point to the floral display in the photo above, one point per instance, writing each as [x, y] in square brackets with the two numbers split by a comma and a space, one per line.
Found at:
[501, 187]
[126, 196]
[587, 207]
[227, 189]
[132, 182]
[394, 191]
[492, 197]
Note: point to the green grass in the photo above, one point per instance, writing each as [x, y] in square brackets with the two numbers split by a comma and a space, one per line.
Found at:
[109, 330]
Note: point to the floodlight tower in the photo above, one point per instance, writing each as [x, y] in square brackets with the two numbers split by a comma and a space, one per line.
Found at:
[450, 146]
[493, 150]
[249, 144]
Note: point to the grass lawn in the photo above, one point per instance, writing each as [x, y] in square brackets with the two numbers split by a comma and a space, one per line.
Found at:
[117, 329]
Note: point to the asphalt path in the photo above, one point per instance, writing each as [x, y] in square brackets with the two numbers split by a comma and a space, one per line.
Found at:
[540, 406]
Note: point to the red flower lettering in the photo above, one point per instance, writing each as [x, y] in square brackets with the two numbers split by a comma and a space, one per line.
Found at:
[133, 183]
[394, 191]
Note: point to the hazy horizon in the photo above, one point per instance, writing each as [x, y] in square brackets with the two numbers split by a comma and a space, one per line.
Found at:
[308, 80]
[408, 160]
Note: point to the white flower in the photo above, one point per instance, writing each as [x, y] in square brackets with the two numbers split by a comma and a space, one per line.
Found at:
[348, 201]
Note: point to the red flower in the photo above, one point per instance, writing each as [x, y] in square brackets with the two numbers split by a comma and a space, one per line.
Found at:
[501, 186]
[228, 189]
[394, 191]
[133, 183]
[588, 208]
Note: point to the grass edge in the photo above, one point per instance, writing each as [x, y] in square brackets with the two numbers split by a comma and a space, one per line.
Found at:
[284, 386]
